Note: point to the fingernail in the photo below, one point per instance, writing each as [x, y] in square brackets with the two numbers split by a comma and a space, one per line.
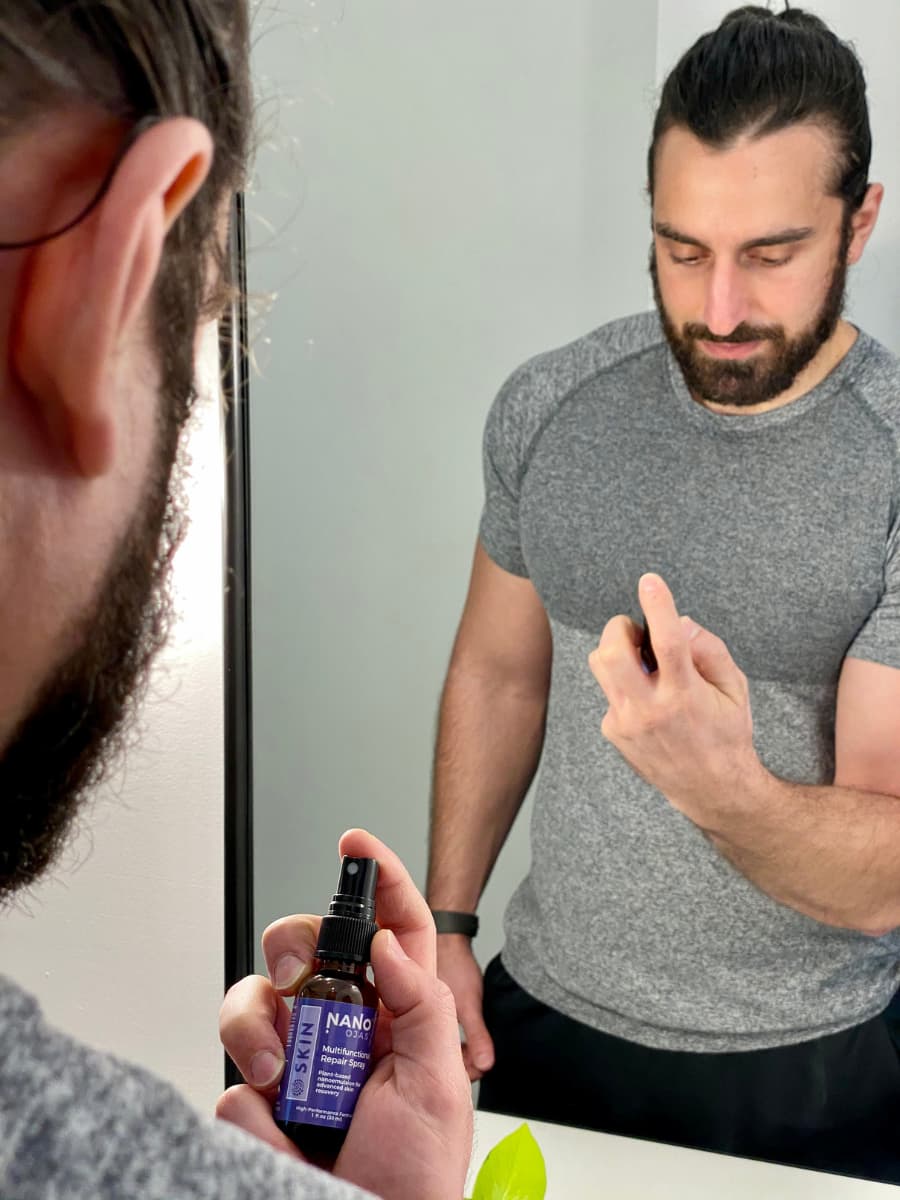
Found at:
[265, 1068]
[288, 970]
[484, 1062]
[691, 627]
[650, 584]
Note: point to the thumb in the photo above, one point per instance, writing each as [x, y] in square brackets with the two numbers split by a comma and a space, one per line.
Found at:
[713, 660]
[478, 1040]
[423, 1024]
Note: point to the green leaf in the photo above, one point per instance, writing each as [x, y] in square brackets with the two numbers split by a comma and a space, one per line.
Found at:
[514, 1170]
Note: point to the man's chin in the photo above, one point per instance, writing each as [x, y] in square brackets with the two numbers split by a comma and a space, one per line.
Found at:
[737, 383]
[737, 395]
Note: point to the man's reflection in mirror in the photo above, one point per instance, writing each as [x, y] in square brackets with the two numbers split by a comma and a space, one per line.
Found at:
[706, 942]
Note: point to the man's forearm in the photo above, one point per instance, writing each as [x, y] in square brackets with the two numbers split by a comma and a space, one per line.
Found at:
[489, 741]
[832, 853]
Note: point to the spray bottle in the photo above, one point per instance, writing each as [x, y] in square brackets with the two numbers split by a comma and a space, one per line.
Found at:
[332, 1028]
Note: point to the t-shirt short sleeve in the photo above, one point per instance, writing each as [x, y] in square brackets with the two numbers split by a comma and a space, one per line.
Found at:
[502, 466]
[879, 638]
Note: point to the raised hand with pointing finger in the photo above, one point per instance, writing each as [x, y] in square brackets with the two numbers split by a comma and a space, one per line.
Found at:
[686, 728]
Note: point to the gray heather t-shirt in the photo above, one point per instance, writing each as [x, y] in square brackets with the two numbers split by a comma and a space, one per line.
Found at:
[777, 531]
[79, 1125]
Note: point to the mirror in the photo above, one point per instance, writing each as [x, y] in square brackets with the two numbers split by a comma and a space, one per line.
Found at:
[441, 192]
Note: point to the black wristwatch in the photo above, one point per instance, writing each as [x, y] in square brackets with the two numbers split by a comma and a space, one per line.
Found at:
[455, 922]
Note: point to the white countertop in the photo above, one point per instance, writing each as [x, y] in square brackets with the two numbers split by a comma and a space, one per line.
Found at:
[598, 1166]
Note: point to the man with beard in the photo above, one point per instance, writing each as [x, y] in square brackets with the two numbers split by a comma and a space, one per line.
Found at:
[706, 940]
[125, 128]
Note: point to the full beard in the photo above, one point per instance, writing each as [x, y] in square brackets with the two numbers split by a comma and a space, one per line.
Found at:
[744, 384]
[80, 720]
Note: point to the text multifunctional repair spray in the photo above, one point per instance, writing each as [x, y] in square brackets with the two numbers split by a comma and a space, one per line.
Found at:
[329, 1047]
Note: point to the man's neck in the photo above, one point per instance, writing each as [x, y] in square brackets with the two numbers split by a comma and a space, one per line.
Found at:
[828, 357]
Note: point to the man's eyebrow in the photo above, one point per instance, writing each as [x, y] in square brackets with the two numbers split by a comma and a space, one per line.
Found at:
[664, 229]
[783, 237]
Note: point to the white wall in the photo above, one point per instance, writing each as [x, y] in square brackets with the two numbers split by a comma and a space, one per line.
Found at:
[124, 944]
[873, 27]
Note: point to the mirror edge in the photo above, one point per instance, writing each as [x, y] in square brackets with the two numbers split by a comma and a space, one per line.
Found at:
[238, 797]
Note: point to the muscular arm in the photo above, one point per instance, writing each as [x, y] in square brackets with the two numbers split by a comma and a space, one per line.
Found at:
[490, 731]
[833, 852]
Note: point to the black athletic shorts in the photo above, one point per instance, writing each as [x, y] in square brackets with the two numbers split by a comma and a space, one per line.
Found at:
[831, 1104]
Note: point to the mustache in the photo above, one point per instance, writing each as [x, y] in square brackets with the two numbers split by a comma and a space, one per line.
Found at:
[741, 333]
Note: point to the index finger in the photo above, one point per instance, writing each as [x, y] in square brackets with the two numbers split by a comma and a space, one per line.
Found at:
[399, 905]
[673, 657]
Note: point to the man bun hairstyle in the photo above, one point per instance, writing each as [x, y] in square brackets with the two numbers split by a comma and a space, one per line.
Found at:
[760, 72]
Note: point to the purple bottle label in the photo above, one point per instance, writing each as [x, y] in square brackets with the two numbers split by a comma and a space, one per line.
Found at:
[328, 1055]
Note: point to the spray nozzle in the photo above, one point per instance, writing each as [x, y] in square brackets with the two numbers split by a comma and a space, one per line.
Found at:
[355, 895]
[349, 927]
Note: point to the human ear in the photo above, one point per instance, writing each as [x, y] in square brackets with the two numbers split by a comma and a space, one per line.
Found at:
[862, 223]
[82, 295]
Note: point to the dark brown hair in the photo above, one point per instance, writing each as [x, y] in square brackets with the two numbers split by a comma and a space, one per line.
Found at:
[138, 59]
[760, 72]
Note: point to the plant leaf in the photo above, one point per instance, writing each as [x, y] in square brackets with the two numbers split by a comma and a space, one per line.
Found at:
[514, 1170]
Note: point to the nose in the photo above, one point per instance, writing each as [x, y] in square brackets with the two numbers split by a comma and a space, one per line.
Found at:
[726, 299]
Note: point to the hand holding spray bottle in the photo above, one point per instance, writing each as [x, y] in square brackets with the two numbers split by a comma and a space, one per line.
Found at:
[329, 1047]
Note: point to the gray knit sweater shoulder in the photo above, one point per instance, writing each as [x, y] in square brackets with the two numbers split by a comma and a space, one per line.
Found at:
[76, 1124]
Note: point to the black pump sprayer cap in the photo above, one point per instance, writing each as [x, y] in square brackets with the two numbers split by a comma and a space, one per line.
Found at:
[347, 931]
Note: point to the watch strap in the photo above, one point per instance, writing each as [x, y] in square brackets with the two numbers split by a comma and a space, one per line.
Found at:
[455, 922]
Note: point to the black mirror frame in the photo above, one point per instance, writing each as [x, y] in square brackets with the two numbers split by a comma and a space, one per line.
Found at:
[235, 374]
